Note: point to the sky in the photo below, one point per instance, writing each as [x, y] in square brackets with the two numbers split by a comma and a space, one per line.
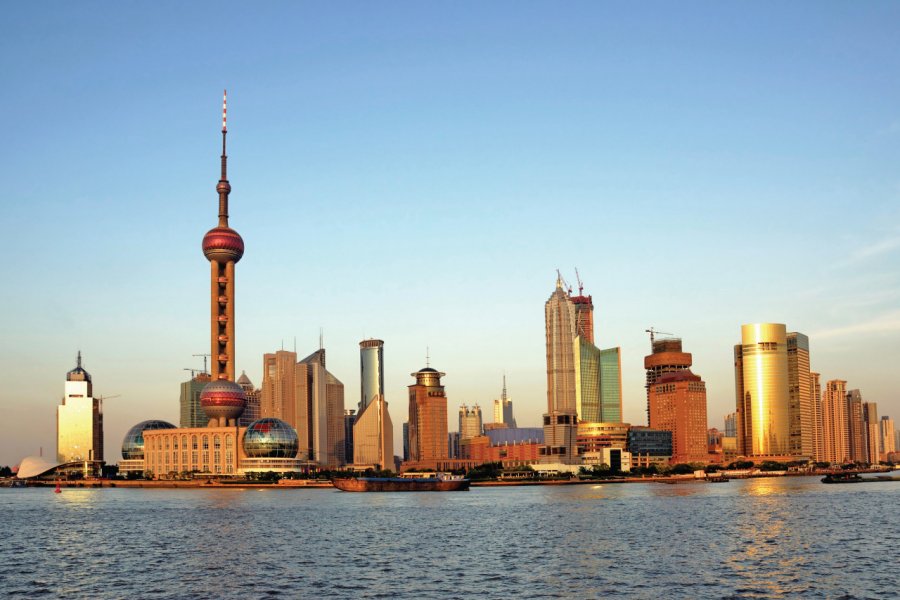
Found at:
[416, 172]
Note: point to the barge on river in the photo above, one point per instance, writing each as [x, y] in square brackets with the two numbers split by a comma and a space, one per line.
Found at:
[436, 483]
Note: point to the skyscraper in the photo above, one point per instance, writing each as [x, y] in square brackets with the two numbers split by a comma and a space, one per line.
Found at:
[762, 391]
[251, 411]
[469, 422]
[319, 411]
[373, 432]
[560, 420]
[192, 414]
[278, 392]
[79, 419]
[801, 413]
[584, 316]
[815, 395]
[503, 408]
[873, 432]
[611, 385]
[666, 356]
[349, 420]
[856, 427]
[835, 430]
[371, 368]
[427, 417]
[678, 404]
[887, 437]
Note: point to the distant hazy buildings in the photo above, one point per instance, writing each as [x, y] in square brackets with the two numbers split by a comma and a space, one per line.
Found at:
[192, 414]
[762, 391]
[373, 431]
[79, 419]
[428, 433]
[469, 422]
[503, 408]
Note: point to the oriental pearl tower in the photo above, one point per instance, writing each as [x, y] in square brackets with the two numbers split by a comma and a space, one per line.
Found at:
[222, 399]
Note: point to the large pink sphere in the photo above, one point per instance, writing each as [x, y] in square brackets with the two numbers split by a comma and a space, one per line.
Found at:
[223, 244]
[223, 399]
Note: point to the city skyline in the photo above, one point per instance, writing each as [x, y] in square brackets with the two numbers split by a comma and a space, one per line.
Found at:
[364, 183]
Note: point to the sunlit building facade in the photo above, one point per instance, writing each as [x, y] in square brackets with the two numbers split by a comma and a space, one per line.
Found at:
[371, 369]
[373, 431]
[560, 420]
[835, 429]
[666, 356]
[802, 408]
[79, 419]
[278, 391]
[815, 395]
[469, 421]
[678, 404]
[427, 418]
[886, 426]
[873, 432]
[611, 385]
[503, 408]
[762, 391]
[856, 427]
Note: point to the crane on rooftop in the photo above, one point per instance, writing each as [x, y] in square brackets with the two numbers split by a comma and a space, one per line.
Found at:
[653, 332]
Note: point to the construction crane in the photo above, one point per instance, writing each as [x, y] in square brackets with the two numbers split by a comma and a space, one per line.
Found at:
[580, 284]
[205, 356]
[194, 371]
[102, 398]
[564, 282]
[653, 333]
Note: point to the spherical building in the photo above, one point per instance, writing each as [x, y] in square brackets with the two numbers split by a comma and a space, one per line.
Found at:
[223, 401]
[270, 438]
[133, 443]
[223, 244]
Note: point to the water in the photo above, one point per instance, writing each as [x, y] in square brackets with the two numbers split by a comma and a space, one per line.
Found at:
[771, 538]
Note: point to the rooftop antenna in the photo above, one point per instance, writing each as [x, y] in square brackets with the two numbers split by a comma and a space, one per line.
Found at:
[427, 357]
[224, 188]
[295, 344]
[78, 365]
[503, 395]
[321, 338]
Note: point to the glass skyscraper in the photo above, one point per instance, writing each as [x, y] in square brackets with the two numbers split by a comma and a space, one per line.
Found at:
[762, 394]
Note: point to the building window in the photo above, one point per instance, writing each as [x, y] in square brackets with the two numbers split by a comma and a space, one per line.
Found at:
[184, 442]
[175, 443]
[217, 442]
[193, 442]
[229, 441]
[205, 441]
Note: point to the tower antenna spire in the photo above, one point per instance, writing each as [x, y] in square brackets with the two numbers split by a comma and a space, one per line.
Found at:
[224, 188]
[503, 395]
[427, 356]
[79, 359]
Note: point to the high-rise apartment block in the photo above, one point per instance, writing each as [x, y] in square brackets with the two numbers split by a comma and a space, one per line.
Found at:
[278, 389]
[872, 432]
[192, 414]
[79, 419]
[856, 427]
[503, 408]
[470, 424]
[835, 429]
[427, 418]
[815, 394]
[762, 391]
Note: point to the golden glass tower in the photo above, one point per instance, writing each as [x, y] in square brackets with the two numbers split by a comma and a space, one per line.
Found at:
[762, 390]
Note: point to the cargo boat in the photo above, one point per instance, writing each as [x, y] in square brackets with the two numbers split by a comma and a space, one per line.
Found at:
[440, 483]
[842, 478]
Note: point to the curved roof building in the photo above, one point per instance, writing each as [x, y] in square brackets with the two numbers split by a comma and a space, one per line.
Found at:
[270, 438]
[133, 442]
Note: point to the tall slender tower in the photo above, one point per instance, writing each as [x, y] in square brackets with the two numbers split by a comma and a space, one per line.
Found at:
[222, 399]
[560, 420]
[223, 247]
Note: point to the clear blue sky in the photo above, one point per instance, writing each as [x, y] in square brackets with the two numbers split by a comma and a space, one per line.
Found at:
[417, 172]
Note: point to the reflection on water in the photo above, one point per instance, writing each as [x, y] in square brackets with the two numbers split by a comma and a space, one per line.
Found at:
[789, 537]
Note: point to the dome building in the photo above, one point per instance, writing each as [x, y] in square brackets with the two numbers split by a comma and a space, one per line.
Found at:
[271, 445]
[133, 445]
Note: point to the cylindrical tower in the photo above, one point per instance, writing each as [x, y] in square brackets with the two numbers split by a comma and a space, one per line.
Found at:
[223, 247]
[763, 395]
[371, 371]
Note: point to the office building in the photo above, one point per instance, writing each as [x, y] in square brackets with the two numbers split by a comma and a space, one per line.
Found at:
[649, 446]
[192, 414]
[469, 422]
[801, 406]
[611, 385]
[512, 447]
[560, 420]
[373, 431]
[319, 411]
[349, 420]
[762, 391]
[79, 419]
[427, 419]
[873, 432]
[678, 404]
[856, 427]
[666, 356]
[503, 408]
[278, 391]
[835, 429]
[888, 443]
